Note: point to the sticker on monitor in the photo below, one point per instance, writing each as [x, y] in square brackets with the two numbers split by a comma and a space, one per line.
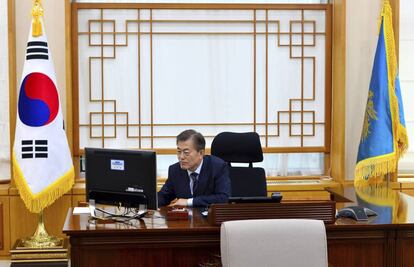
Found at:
[117, 165]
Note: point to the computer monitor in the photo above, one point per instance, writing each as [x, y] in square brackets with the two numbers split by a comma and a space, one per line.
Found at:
[121, 177]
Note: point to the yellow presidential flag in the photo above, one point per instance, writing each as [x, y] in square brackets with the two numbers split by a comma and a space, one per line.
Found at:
[42, 163]
[384, 136]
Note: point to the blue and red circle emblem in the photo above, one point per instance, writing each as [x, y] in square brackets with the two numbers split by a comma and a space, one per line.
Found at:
[38, 100]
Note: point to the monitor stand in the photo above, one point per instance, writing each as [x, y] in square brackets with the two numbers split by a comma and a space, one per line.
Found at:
[142, 211]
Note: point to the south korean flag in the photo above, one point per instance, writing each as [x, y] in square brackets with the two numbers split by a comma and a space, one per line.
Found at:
[42, 163]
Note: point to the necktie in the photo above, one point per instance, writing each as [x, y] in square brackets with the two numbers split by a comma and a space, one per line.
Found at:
[194, 179]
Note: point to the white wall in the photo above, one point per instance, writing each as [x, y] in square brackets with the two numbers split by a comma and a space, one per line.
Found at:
[361, 39]
[4, 95]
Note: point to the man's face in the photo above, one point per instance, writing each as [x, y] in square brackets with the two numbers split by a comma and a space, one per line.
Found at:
[188, 156]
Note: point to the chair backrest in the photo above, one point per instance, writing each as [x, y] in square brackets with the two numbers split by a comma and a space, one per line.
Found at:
[237, 147]
[242, 148]
[275, 242]
[248, 182]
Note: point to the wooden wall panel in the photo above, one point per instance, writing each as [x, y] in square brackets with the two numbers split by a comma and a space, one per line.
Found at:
[55, 215]
[4, 225]
[23, 222]
[68, 74]
[306, 195]
[2, 216]
[339, 83]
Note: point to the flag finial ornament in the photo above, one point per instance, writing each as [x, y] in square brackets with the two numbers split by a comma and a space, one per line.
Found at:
[37, 12]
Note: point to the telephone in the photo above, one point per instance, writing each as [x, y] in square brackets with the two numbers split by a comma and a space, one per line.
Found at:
[356, 212]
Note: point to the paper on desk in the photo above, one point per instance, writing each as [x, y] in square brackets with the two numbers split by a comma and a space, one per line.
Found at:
[81, 210]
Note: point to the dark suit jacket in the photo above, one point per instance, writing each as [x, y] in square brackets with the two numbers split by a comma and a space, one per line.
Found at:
[213, 184]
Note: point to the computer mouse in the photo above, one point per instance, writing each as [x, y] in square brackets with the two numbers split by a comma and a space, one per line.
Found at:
[354, 212]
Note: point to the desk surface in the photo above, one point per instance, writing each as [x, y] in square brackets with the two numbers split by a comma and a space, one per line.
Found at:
[393, 207]
[154, 221]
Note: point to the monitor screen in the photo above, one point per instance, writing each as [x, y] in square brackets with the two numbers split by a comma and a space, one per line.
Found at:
[116, 176]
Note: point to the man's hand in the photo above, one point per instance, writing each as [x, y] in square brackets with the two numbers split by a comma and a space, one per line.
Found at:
[178, 202]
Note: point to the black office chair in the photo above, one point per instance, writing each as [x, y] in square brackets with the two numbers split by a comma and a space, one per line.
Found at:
[242, 148]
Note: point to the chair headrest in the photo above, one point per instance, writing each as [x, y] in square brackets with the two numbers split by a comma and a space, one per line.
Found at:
[237, 147]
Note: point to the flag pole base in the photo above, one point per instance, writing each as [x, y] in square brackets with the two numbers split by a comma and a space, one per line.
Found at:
[41, 239]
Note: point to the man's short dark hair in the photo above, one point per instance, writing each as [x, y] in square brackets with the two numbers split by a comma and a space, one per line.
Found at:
[198, 138]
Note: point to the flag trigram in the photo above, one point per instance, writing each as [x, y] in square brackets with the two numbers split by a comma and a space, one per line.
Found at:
[37, 50]
[36, 149]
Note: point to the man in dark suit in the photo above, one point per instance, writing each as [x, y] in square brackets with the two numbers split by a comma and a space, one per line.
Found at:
[196, 179]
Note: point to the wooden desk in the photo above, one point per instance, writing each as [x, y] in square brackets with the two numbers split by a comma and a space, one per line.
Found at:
[157, 242]
[150, 242]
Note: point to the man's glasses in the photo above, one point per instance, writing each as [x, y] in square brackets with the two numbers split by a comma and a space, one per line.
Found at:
[185, 152]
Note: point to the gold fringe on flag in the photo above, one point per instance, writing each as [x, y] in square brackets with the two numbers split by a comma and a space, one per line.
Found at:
[37, 12]
[37, 202]
[371, 171]
[400, 133]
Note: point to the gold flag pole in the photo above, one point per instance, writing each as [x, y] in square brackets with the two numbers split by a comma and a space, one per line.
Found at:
[41, 238]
